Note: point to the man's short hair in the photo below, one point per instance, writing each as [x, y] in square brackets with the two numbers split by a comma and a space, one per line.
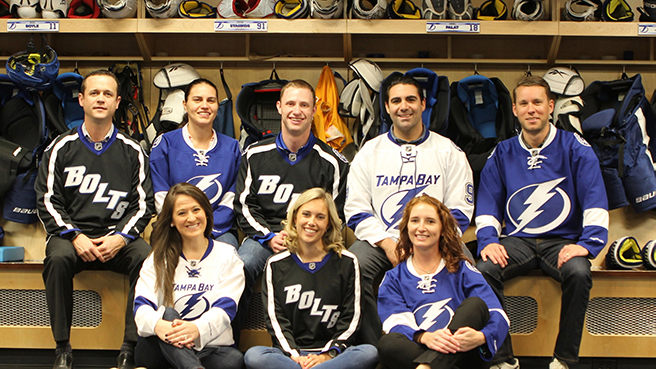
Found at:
[533, 81]
[405, 80]
[99, 72]
[299, 83]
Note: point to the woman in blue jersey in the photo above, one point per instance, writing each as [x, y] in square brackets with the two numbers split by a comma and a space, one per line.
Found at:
[437, 310]
[198, 155]
[188, 289]
[311, 292]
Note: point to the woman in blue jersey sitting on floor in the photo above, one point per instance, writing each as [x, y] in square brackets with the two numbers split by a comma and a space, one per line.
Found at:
[311, 292]
[199, 155]
[188, 289]
[436, 308]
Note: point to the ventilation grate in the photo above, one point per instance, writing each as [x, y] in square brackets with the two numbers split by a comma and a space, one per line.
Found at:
[523, 314]
[621, 316]
[28, 308]
[255, 319]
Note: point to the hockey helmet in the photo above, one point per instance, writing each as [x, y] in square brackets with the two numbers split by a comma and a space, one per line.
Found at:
[433, 9]
[492, 10]
[616, 11]
[564, 81]
[582, 10]
[326, 9]
[52, 9]
[32, 69]
[196, 9]
[175, 76]
[624, 253]
[460, 9]
[163, 8]
[528, 10]
[292, 9]
[403, 9]
[365, 9]
[118, 8]
[83, 9]
[649, 255]
[25, 8]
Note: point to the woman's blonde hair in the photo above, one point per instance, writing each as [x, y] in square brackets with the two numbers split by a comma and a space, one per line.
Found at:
[332, 239]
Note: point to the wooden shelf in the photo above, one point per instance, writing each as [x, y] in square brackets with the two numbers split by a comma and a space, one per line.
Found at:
[342, 40]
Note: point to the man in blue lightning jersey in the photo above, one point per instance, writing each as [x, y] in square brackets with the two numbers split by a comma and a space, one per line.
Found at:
[546, 186]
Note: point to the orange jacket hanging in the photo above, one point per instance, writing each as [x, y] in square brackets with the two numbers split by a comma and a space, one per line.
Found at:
[329, 126]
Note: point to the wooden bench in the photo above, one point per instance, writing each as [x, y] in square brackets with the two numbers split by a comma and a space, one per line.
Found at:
[100, 298]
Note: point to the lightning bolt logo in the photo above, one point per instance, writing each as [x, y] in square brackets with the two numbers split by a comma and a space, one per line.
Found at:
[434, 311]
[542, 193]
[191, 306]
[397, 209]
[210, 185]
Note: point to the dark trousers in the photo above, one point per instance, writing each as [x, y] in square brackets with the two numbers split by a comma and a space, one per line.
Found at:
[396, 351]
[62, 263]
[154, 353]
[526, 254]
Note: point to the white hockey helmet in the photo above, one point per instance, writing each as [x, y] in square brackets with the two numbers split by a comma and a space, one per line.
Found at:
[25, 8]
[52, 9]
[118, 8]
[326, 9]
[564, 81]
[175, 76]
[528, 10]
[368, 9]
[163, 8]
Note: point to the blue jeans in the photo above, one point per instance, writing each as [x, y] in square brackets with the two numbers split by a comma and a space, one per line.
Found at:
[354, 357]
[230, 239]
[154, 353]
[526, 254]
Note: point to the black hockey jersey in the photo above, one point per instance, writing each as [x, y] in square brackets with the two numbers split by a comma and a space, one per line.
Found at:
[312, 306]
[271, 177]
[96, 188]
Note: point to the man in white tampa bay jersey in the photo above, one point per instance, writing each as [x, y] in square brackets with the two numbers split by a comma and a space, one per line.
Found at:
[389, 171]
[274, 172]
[546, 186]
[94, 198]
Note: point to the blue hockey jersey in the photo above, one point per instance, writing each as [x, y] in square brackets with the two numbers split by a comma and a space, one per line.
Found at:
[409, 302]
[552, 191]
[174, 159]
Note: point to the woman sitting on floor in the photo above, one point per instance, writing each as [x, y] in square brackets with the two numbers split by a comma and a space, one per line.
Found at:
[437, 309]
[312, 294]
[188, 289]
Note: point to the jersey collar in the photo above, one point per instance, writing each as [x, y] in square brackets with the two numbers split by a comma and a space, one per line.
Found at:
[547, 140]
[312, 267]
[96, 147]
[294, 157]
[424, 136]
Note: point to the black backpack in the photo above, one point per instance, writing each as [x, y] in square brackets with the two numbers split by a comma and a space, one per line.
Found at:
[256, 107]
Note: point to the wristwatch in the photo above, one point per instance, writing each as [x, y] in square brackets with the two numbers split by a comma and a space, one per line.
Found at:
[333, 353]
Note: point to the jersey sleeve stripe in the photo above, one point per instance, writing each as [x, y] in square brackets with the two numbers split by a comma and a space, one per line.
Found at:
[247, 187]
[596, 217]
[336, 174]
[271, 305]
[356, 301]
[483, 221]
[47, 198]
[143, 206]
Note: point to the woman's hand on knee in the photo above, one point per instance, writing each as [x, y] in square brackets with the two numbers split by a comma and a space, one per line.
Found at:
[469, 338]
[441, 340]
